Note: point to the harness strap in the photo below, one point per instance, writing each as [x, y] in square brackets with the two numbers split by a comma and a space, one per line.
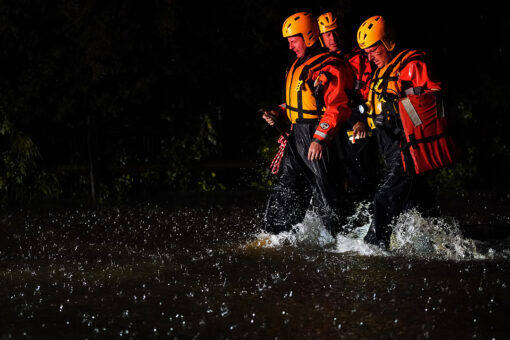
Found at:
[413, 142]
[300, 112]
[389, 70]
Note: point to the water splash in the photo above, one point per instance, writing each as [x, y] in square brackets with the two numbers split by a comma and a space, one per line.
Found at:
[413, 235]
[310, 233]
[433, 237]
[357, 226]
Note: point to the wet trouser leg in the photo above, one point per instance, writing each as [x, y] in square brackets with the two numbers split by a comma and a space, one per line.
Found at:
[289, 197]
[393, 194]
[361, 163]
[299, 179]
[326, 177]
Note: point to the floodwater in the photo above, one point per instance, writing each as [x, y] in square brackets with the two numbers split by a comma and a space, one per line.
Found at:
[202, 271]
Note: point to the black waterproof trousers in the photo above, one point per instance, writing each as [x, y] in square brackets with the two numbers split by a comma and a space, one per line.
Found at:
[396, 192]
[301, 181]
[361, 162]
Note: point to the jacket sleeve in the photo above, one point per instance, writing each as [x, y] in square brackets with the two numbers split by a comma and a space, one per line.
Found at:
[417, 73]
[338, 82]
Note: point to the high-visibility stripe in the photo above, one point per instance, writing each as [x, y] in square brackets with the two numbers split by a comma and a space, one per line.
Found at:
[411, 111]
[323, 135]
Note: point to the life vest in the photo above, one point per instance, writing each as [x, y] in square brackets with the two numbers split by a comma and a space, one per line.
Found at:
[427, 144]
[301, 103]
[385, 90]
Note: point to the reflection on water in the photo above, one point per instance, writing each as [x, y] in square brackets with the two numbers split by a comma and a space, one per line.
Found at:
[156, 270]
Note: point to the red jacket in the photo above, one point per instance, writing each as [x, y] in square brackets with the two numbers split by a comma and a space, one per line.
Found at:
[338, 82]
[362, 69]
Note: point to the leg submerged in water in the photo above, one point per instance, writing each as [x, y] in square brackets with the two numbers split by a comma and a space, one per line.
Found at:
[284, 209]
[392, 196]
[289, 197]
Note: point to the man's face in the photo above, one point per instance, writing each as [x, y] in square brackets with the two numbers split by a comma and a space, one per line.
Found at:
[378, 54]
[297, 45]
[331, 40]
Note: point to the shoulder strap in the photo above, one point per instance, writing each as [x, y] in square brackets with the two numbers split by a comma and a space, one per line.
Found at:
[400, 61]
[315, 62]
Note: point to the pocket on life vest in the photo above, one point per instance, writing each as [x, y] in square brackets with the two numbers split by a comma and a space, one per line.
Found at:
[428, 144]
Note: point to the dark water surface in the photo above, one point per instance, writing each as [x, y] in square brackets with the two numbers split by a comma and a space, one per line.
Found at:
[184, 271]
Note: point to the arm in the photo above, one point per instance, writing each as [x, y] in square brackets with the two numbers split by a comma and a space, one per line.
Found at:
[336, 101]
[338, 82]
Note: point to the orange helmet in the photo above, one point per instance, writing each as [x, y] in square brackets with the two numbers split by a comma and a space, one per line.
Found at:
[373, 30]
[327, 22]
[301, 23]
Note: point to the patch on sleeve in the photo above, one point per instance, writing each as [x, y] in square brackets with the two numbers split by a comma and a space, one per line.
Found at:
[324, 126]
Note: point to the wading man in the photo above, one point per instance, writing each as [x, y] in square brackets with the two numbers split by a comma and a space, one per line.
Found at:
[316, 104]
[405, 110]
[360, 155]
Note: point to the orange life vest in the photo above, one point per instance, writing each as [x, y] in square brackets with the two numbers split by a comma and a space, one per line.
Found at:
[301, 103]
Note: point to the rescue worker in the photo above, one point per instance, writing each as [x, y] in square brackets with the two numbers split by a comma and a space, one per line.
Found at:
[316, 104]
[359, 157]
[399, 74]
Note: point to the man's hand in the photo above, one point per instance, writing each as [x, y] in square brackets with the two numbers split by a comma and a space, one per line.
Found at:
[359, 130]
[270, 117]
[315, 151]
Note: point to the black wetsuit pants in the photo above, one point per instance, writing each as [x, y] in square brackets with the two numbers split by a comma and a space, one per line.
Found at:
[301, 181]
[396, 192]
[361, 165]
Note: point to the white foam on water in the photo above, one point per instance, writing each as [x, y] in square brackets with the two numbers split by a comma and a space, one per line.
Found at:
[413, 235]
[346, 244]
[310, 233]
[357, 226]
[432, 237]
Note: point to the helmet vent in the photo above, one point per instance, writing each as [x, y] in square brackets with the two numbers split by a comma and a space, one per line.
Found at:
[297, 18]
[370, 26]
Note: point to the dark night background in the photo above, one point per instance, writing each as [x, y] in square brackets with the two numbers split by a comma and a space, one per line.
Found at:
[138, 98]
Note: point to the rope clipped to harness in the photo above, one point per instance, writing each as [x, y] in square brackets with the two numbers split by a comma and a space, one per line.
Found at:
[275, 164]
